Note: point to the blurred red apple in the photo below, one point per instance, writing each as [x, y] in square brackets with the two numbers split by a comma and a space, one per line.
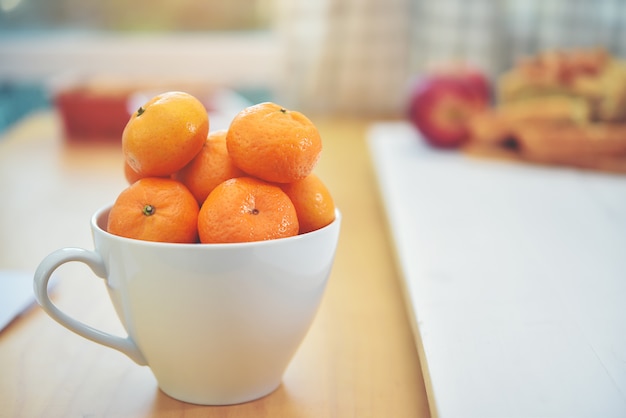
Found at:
[441, 103]
[479, 82]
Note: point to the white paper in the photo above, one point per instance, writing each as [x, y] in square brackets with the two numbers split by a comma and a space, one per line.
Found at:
[16, 294]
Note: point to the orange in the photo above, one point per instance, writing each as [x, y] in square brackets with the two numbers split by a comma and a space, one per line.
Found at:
[274, 144]
[209, 168]
[130, 174]
[165, 134]
[155, 209]
[314, 204]
[246, 209]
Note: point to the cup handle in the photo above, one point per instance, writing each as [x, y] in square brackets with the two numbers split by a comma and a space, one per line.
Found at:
[92, 259]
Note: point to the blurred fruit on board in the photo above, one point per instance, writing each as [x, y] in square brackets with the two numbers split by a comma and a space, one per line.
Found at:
[442, 101]
[562, 107]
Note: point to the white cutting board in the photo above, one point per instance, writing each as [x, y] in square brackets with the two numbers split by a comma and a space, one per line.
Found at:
[515, 277]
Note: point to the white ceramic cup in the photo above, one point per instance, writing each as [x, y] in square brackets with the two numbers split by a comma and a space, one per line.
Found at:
[217, 324]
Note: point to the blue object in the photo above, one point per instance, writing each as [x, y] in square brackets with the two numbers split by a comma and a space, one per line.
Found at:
[17, 99]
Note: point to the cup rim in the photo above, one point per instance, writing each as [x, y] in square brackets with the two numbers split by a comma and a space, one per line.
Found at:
[99, 216]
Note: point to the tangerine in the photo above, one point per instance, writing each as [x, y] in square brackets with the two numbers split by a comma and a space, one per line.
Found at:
[274, 144]
[313, 202]
[245, 209]
[155, 209]
[165, 134]
[130, 174]
[209, 168]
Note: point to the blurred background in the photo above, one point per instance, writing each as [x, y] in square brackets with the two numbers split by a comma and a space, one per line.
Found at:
[331, 57]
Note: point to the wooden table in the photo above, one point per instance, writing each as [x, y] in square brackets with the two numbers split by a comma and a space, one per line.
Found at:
[358, 360]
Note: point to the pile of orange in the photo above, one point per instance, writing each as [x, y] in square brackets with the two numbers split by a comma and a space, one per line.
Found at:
[251, 182]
